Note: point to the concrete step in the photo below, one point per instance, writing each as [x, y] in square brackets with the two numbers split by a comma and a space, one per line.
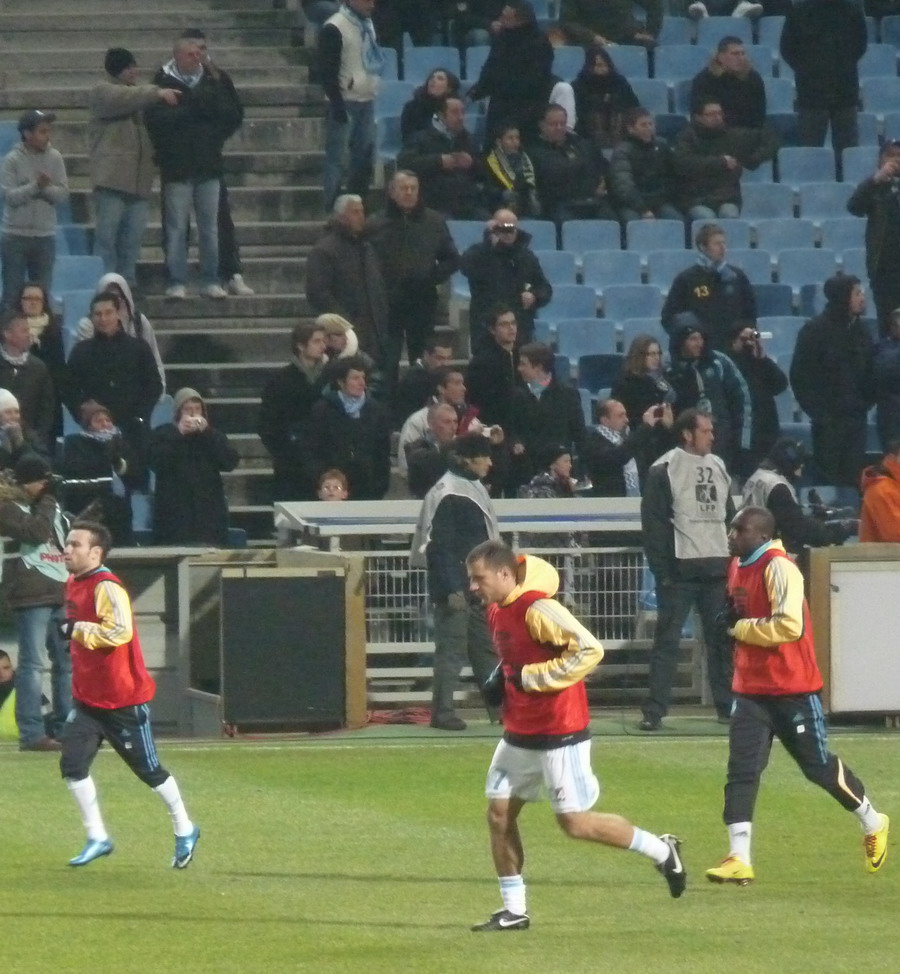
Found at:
[270, 275]
[228, 379]
[92, 36]
[150, 52]
[86, 76]
[261, 344]
[248, 486]
[97, 8]
[233, 414]
[185, 314]
[251, 450]
[78, 20]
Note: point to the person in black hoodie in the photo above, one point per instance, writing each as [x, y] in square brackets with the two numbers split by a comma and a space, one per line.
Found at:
[445, 159]
[187, 141]
[642, 171]
[492, 376]
[731, 80]
[426, 100]
[351, 432]
[822, 41]
[516, 75]
[602, 96]
[416, 253]
[832, 378]
[503, 270]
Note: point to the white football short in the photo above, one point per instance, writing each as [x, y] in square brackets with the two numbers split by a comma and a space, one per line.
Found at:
[565, 772]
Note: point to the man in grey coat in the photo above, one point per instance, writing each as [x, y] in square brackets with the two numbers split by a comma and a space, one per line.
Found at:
[121, 160]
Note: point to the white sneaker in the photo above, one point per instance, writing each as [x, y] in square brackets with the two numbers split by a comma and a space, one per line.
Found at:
[696, 11]
[237, 285]
[747, 9]
[176, 291]
[214, 291]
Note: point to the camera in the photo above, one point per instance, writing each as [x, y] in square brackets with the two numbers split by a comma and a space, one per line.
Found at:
[505, 227]
[755, 335]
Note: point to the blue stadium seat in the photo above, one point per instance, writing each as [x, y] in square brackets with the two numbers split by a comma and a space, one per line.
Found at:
[391, 64]
[756, 264]
[543, 233]
[570, 301]
[419, 62]
[387, 138]
[805, 164]
[764, 173]
[871, 30]
[819, 201]
[9, 137]
[567, 62]
[764, 58]
[802, 265]
[853, 261]
[475, 58]
[779, 95]
[465, 233]
[392, 96]
[880, 95]
[652, 93]
[630, 60]
[768, 30]
[737, 231]
[778, 233]
[783, 69]
[558, 266]
[784, 332]
[163, 411]
[675, 30]
[858, 163]
[75, 273]
[76, 237]
[587, 406]
[600, 268]
[585, 336]
[596, 372]
[664, 265]
[890, 30]
[679, 61]
[843, 232]
[631, 328]
[867, 126]
[544, 331]
[621, 301]
[784, 125]
[459, 286]
[562, 369]
[879, 61]
[646, 235]
[762, 200]
[710, 30]
[681, 96]
[62, 242]
[773, 300]
[580, 236]
[812, 300]
[784, 402]
[668, 126]
[75, 306]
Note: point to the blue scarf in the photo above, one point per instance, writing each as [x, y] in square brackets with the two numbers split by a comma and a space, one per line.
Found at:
[372, 55]
[725, 271]
[352, 404]
[106, 436]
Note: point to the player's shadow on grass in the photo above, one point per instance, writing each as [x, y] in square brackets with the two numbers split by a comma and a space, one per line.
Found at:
[406, 879]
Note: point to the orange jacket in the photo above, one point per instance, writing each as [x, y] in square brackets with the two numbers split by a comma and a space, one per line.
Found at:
[879, 519]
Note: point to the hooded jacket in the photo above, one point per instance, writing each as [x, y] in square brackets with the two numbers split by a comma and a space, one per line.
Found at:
[642, 174]
[134, 323]
[121, 153]
[29, 211]
[880, 204]
[742, 97]
[879, 518]
[600, 100]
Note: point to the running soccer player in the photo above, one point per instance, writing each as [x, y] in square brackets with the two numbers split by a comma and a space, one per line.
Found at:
[111, 689]
[545, 654]
[776, 694]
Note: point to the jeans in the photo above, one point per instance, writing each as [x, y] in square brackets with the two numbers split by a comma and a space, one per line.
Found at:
[25, 260]
[459, 634]
[177, 201]
[38, 639]
[812, 124]
[119, 223]
[725, 211]
[674, 602]
[349, 149]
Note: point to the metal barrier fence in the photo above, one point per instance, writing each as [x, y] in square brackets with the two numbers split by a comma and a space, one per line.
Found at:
[606, 588]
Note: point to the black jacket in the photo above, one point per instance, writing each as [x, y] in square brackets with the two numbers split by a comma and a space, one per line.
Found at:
[743, 100]
[880, 203]
[567, 173]
[716, 302]
[360, 448]
[85, 458]
[765, 380]
[822, 41]
[556, 419]
[491, 380]
[600, 101]
[189, 505]
[454, 193]
[32, 385]
[188, 137]
[642, 175]
[604, 461]
[414, 390]
[499, 275]
[426, 463]
[887, 389]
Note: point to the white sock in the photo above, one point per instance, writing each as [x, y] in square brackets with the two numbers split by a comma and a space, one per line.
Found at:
[169, 793]
[649, 845]
[85, 794]
[869, 819]
[512, 889]
[739, 837]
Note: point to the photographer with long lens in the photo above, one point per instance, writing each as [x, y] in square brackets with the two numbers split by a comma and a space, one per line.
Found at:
[34, 578]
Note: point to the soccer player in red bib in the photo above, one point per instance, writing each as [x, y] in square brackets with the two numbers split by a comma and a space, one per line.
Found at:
[545, 654]
[776, 694]
[111, 689]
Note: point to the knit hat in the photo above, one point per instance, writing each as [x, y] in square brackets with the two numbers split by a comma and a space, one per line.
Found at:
[333, 324]
[552, 453]
[472, 445]
[185, 395]
[89, 409]
[31, 468]
[117, 60]
[838, 288]
[8, 400]
[33, 118]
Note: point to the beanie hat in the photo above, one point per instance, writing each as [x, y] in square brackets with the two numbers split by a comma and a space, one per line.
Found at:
[837, 290]
[89, 409]
[333, 324]
[552, 453]
[185, 395]
[787, 456]
[8, 400]
[31, 468]
[472, 445]
[117, 60]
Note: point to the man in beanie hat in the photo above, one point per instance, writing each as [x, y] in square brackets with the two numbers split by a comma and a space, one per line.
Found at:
[34, 584]
[832, 377]
[457, 514]
[33, 182]
[121, 160]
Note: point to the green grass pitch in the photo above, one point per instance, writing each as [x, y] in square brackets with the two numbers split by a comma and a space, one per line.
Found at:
[354, 854]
